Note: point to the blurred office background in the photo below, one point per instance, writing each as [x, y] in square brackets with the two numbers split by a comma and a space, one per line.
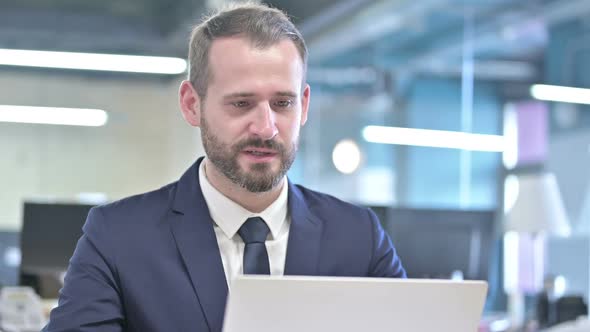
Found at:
[508, 200]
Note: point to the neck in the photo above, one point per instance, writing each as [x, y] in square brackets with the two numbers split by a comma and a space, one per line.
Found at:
[253, 202]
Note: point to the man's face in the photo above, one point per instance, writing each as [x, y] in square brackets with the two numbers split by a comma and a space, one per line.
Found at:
[253, 111]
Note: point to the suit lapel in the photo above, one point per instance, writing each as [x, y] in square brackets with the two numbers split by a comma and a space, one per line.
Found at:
[192, 228]
[303, 247]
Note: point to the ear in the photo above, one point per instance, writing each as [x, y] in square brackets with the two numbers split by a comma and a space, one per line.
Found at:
[305, 103]
[190, 103]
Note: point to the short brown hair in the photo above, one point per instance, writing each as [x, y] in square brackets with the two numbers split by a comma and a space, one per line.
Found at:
[263, 25]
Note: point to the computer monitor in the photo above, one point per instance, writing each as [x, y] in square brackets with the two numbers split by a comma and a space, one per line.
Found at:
[435, 243]
[9, 258]
[48, 239]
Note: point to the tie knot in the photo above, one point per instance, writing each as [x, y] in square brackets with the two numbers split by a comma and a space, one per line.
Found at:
[254, 230]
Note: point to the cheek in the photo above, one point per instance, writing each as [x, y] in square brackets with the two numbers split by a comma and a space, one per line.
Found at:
[290, 131]
[224, 126]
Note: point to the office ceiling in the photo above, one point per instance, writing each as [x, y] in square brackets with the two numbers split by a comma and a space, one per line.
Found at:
[508, 37]
[158, 27]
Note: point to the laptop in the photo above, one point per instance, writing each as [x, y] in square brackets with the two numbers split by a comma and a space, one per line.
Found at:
[321, 304]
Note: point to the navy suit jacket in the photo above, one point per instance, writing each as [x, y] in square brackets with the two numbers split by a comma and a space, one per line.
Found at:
[151, 262]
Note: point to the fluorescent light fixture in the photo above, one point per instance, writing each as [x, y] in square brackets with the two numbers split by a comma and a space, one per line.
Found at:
[93, 61]
[53, 115]
[434, 138]
[562, 94]
[510, 155]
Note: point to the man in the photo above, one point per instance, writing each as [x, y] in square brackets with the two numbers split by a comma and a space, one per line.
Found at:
[163, 261]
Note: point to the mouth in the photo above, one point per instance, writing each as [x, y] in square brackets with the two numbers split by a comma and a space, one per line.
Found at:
[260, 154]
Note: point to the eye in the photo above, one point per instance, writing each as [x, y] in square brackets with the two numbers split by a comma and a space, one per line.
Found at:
[284, 103]
[241, 104]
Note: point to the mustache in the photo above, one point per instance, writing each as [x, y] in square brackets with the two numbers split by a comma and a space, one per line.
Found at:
[259, 143]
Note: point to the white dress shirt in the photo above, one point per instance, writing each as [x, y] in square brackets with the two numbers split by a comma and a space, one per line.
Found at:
[228, 216]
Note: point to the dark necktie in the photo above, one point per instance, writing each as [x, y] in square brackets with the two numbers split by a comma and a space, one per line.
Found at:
[254, 232]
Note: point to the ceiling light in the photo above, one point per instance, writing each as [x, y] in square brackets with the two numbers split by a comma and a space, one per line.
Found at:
[53, 115]
[93, 61]
[561, 94]
[434, 138]
[346, 156]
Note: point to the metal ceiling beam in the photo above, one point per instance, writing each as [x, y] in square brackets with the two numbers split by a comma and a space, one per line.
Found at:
[493, 70]
[65, 31]
[373, 22]
[147, 44]
[341, 10]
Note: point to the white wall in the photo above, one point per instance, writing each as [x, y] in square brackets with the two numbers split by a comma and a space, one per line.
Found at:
[145, 144]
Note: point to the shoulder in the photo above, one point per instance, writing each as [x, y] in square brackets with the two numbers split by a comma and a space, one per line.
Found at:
[145, 207]
[333, 209]
[144, 200]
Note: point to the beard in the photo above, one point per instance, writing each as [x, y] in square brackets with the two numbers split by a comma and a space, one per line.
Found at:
[260, 176]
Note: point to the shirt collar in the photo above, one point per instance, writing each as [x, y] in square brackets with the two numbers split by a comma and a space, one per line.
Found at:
[230, 216]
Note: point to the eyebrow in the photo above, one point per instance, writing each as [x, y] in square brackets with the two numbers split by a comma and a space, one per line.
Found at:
[249, 94]
[286, 94]
[238, 95]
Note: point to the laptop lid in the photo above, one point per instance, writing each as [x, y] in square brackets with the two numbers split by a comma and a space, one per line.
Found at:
[314, 304]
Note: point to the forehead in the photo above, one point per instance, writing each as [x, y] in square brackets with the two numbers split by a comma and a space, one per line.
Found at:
[237, 57]
[244, 43]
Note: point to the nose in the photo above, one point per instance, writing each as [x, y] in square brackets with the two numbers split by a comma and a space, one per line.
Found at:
[263, 125]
